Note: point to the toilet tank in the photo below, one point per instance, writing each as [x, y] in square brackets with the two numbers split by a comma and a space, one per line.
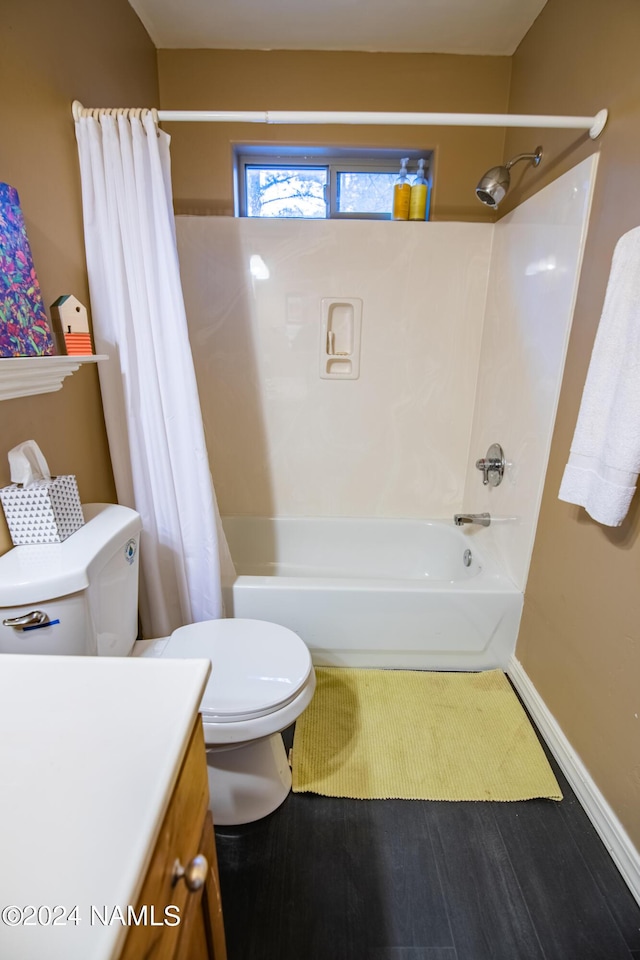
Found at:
[86, 587]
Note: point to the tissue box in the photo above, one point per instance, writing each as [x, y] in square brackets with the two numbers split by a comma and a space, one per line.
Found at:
[45, 511]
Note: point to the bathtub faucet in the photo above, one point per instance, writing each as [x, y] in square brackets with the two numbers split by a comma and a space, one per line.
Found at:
[484, 519]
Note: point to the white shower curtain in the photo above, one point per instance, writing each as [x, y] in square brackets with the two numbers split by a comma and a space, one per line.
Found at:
[149, 391]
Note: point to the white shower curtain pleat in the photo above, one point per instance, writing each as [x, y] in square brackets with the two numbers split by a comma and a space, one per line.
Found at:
[149, 391]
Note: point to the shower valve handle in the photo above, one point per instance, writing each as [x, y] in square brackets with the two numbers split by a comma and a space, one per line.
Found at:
[492, 466]
[487, 465]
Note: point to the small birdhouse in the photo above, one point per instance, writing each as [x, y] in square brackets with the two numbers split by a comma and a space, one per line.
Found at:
[70, 318]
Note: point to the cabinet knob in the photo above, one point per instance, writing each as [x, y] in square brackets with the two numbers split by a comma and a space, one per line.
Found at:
[194, 874]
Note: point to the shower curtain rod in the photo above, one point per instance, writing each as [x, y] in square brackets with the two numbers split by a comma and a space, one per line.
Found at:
[594, 125]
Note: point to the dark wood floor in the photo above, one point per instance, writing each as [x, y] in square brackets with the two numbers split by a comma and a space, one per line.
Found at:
[327, 879]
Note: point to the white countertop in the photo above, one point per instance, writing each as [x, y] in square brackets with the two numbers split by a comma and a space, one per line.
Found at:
[90, 749]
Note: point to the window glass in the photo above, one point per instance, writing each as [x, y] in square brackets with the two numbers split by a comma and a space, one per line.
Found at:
[364, 191]
[286, 191]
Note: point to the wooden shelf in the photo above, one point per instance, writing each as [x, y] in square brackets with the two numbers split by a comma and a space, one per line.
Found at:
[28, 376]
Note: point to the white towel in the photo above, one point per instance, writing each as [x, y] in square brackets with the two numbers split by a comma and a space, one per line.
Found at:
[604, 462]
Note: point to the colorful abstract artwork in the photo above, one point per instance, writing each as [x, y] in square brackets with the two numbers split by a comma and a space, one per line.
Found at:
[24, 328]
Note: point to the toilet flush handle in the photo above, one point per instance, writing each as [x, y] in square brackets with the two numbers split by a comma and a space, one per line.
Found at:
[32, 619]
[194, 874]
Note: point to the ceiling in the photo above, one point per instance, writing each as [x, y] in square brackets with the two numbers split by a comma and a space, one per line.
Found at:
[410, 26]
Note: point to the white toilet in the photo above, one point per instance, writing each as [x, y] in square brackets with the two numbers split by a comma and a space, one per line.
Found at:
[80, 597]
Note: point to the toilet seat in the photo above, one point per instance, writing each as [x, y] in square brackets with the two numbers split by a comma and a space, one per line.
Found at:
[258, 667]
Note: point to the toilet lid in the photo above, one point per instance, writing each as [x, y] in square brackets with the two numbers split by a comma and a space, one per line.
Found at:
[256, 666]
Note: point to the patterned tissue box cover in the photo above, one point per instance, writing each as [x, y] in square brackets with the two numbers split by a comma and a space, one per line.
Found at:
[45, 511]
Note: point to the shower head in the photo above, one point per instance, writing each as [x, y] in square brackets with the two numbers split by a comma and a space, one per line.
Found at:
[494, 184]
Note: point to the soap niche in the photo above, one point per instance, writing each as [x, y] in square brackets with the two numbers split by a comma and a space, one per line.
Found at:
[340, 338]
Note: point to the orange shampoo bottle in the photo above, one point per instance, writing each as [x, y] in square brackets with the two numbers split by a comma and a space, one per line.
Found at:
[419, 188]
[401, 193]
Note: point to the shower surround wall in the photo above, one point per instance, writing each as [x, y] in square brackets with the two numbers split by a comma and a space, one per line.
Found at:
[283, 441]
[464, 334]
[533, 281]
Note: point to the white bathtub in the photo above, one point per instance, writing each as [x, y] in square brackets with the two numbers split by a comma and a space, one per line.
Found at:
[375, 593]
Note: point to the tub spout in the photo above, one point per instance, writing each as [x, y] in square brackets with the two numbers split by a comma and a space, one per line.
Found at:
[484, 519]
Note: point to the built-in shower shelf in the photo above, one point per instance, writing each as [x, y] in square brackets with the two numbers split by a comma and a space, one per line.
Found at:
[28, 376]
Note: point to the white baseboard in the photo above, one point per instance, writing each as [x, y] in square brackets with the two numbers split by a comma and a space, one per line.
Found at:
[611, 831]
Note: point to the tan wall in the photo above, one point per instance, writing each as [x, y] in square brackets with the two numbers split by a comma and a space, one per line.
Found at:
[52, 54]
[314, 80]
[580, 635]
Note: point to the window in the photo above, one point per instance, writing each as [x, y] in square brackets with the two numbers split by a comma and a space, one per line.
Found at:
[292, 182]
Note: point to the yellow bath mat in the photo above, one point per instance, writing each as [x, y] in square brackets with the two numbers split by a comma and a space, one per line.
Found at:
[413, 735]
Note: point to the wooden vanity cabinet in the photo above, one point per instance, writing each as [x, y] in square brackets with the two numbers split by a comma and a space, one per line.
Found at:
[186, 832]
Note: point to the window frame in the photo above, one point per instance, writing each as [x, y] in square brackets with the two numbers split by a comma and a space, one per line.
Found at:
[334, 160]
